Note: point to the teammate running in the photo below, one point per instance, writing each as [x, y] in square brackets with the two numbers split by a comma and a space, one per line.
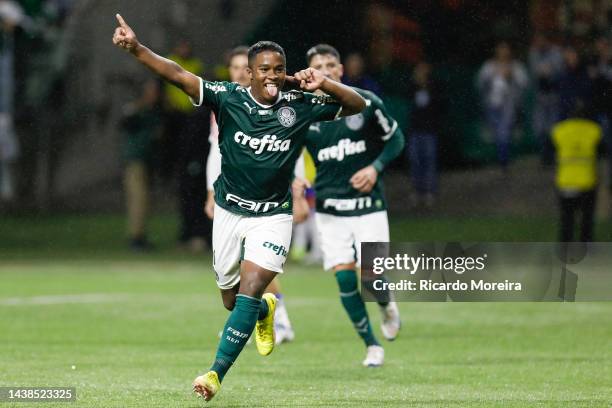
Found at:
[261, 134]
[349, 154]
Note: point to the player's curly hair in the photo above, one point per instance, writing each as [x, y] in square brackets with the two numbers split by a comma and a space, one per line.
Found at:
[321, 49]
[262, 46]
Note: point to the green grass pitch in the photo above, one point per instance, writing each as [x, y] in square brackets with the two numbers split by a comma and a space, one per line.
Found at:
[139, 328]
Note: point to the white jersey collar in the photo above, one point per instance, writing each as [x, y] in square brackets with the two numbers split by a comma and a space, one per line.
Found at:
[280, 96]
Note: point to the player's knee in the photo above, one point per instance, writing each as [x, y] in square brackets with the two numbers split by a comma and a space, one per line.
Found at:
[253, 287]
[229, 303]
[344, 267]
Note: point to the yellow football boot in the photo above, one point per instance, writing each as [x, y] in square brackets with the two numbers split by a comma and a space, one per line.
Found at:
[264, 329]
[207, 385]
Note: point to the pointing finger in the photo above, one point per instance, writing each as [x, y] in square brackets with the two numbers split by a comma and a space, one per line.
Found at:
[121, 21]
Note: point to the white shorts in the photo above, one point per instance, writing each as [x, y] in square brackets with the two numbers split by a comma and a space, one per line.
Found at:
[341, 237]
[261, 240]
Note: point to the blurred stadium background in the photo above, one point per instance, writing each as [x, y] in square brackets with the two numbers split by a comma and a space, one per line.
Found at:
[72, 291]
[70, 86]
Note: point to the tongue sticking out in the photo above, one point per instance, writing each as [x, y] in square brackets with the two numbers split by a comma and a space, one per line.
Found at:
[272, 90]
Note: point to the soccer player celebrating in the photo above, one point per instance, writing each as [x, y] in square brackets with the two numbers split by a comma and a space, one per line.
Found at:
[349, 155]
[261, 134]
[237, 67]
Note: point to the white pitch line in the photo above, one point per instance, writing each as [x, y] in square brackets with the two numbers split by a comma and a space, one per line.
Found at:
[60, 299]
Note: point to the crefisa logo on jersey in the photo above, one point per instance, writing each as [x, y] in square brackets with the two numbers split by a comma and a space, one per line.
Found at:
[354, 122]
[286, 116]
[345, 147]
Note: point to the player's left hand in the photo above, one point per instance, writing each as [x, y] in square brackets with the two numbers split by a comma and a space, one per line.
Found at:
[309, 79]
[299, 186]
[365, 179]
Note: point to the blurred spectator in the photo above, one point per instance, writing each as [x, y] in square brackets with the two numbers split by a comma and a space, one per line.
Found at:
[140, 126]
[182, 55]
[601, 73]
[576, 141]
[422, 148]
[501, 82]
[11, 16]
[355, 75]
[574, 83]
[185, 127]
[546, 65]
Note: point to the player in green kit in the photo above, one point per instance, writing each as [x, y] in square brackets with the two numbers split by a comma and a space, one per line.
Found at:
[349, 154]
[261, 134]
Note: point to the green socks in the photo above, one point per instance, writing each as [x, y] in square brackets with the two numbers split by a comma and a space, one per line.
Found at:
[383, 297]
[237, 331]
[263, 309]
[354, 306]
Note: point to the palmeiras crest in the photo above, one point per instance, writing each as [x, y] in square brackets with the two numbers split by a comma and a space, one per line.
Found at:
[286, 116]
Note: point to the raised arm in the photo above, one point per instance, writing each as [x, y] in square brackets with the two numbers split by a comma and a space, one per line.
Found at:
[311, 79]
[124, 37]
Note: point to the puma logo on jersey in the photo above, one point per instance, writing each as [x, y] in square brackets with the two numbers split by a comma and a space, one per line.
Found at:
[250, 108]
[345, 147]
[268, 143]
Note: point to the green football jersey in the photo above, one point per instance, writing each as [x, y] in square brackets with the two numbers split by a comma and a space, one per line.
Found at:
[260, 144]
[344, 146]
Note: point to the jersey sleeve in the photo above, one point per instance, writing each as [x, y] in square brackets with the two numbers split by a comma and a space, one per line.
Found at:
[324, 107]
[387, 130]
[213, 94]
[385, 124]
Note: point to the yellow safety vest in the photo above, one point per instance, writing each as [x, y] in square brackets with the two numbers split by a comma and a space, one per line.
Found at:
[576, 142]
[309, 167]
[176, 99]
